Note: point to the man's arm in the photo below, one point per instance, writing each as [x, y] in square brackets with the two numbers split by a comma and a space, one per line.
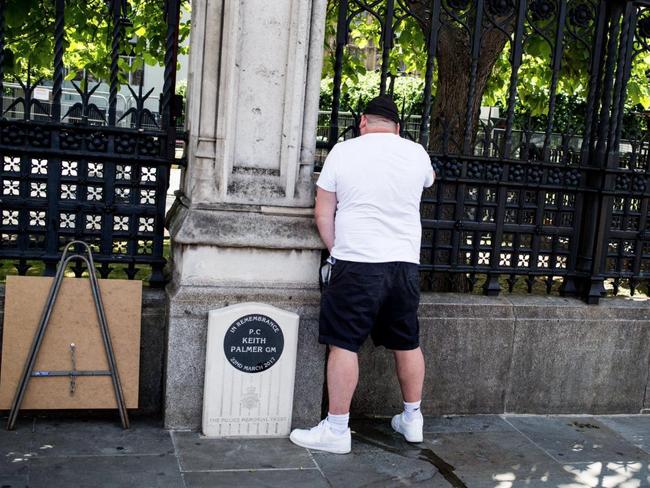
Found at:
[324, 214]
[431, 178]
[430, 174]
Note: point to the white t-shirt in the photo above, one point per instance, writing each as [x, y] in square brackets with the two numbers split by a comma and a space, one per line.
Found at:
[378, 179]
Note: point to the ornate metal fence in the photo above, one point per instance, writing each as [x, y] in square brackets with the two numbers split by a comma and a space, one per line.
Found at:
[80, 173]
[567, 210]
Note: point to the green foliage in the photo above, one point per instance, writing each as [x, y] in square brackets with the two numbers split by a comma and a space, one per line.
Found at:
[407, 56]
[29, 36]
[356, 93]
[534, 82]
[568, 119]
[534, 79]
[181, 88]
[638, 88]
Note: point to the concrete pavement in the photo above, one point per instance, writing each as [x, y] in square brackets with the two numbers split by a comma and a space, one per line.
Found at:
[459, 451]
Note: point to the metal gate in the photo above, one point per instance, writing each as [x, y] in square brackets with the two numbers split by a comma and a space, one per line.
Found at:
[83, 173]
[564, 210]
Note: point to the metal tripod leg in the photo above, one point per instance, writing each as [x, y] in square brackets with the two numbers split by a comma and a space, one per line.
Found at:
[108, 346]
[28, 370]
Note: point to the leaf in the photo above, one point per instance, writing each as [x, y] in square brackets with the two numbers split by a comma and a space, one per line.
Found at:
[29, 26]
[149, 59]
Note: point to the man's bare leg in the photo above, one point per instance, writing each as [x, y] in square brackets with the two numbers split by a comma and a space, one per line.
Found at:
[333, 434]
[342, 378]
[410, 373]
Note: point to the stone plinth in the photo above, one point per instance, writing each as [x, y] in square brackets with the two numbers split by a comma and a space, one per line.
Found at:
[242, 229]
[188, 312]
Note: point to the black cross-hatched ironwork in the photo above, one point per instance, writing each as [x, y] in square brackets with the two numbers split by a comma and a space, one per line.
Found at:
[99, 175]
[515, 204]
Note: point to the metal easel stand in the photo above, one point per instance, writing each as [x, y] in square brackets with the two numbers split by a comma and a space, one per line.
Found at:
[28, 371]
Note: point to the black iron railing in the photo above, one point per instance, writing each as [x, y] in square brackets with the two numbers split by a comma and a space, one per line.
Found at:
[79, 174]
[514, 203]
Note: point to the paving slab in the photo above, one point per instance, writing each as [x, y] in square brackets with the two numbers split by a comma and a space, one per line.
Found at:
[198, 453]
[381, 457]
[15, 448]
[81, 437]
[577, 439]
[441, 424]
[633, 474]
[376, 434]
[466, 423]
[498, 458]
[481, 451]
[294, 478]
[154, 471]
[477, 451]
[372, 467]
[633, 428]
[15, 481]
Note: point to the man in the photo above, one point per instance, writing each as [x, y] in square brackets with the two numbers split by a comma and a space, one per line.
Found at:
[368, 216]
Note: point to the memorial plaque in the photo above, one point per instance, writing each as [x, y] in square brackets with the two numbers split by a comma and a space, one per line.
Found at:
[253, 343]
[249, 371]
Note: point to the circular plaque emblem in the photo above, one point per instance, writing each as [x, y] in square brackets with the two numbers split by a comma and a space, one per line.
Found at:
[253, 343]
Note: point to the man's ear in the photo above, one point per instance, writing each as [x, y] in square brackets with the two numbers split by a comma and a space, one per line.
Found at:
[363, 122]
[398, 129]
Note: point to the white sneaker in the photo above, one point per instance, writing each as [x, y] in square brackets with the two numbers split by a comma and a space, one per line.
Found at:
[412, 431]
[322, 438]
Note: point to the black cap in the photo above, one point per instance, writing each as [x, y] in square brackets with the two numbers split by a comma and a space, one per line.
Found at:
[384, 106]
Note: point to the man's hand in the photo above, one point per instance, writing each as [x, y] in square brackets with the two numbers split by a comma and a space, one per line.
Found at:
[324, 214]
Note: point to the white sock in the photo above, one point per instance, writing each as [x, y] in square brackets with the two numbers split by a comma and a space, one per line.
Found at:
[338, 423]
[412, 411]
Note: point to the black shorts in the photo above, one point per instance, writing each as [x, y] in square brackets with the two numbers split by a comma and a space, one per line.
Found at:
[376, 299]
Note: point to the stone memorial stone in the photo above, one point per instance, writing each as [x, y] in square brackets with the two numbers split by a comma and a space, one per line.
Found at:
[249, 371]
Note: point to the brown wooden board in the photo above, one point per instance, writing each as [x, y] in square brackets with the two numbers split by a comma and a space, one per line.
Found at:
[73, 320]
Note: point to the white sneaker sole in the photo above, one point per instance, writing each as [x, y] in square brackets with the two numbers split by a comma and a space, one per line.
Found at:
[332, 449]
[416, 438]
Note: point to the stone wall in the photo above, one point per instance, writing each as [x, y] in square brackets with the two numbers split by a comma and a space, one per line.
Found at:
[521, 354]
[509, 354]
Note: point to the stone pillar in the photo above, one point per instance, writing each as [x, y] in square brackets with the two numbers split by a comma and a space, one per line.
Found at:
[242, 230]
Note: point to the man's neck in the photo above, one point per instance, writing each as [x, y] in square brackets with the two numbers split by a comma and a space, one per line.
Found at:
[379, 131]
